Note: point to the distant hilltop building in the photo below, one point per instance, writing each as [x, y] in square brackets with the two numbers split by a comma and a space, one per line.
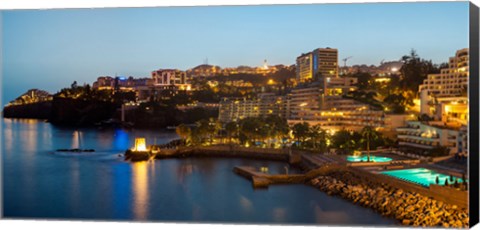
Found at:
[169, 78]
[385, 69]
[120, 83]
[206, 70]
[321, 61]
[163, 83]
[31, 96]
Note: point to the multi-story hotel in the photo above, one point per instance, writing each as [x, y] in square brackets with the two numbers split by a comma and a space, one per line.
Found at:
[424, 136]
[163, 83]
[320, 62]
[444, 96]
[234, 109]
[451, 81]
[120, 83]
[302, 100]
[169, 77]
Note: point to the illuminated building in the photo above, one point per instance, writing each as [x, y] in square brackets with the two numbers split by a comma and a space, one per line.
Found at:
[204, 70]
[451, 81]
[164, 77]
[424, 136]
[443, 96]
[384, 70]
[120, 83]
[234, 109]
[31, 96]
[320, 62]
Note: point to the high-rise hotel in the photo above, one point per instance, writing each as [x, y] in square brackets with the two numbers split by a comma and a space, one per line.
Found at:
[320, 62]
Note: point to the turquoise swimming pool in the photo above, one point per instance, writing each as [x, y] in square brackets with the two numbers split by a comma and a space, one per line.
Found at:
[421, 176]
[364, 158]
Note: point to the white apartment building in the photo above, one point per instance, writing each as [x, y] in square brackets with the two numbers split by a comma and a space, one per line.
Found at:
[451, 81]
[424, 136]
[234, 109]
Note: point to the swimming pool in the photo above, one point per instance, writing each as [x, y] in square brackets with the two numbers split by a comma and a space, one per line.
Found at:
[421, 176]
[364, 158]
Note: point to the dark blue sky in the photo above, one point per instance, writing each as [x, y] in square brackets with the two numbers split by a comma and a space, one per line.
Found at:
[49, 49]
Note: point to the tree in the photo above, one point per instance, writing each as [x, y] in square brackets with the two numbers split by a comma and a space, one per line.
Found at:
[369, 134]
[249, 128]
[318, 137]
[184, 132]
[232, 130]
[203, 130]
[277, 127]
[414, 70]
[363, 80]
[314, 134]
[300, 131]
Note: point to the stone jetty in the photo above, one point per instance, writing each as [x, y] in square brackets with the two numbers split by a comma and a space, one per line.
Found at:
[410, 208]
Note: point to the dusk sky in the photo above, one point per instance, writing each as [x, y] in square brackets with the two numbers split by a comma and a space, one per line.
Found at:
[49, 49]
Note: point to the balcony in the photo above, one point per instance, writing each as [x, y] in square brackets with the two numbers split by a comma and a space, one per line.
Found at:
[422, 146]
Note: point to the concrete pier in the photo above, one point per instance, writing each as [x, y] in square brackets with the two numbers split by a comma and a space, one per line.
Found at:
[263, 180]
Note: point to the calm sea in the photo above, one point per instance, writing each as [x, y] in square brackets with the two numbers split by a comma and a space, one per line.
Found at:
[39, 184]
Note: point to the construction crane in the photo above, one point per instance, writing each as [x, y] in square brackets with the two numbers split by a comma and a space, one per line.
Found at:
[345, 61]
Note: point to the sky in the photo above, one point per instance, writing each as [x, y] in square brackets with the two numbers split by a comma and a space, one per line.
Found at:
[49, 49]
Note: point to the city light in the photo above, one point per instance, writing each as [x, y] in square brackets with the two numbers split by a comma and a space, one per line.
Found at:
[140, 145]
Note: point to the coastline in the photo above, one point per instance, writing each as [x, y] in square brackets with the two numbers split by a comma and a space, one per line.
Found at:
[390, 199]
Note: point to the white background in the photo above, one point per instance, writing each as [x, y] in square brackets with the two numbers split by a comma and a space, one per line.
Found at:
[73, 225]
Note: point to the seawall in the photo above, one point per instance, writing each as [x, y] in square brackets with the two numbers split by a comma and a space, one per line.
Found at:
[226, 151]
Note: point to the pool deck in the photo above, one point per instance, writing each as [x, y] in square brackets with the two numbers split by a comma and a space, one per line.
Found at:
[371, 170]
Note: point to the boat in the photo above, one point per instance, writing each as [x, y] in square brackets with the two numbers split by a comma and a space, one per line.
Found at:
[76, 150]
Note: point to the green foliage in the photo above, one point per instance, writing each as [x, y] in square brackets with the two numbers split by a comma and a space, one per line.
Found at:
[415, 70]
[364, 80]
[184, 132]
[301, 132]
[367, 97]
[397, 103]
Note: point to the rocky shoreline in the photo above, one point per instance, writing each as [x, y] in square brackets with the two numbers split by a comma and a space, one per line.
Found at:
[411, 209]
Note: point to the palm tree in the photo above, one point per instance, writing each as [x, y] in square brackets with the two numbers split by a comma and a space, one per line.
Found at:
[369, 134]
[314, 134]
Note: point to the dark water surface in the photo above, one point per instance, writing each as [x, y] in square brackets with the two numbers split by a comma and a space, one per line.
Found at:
[101, 186]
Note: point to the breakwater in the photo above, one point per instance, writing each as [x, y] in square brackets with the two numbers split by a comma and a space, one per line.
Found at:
[227, 151]
[410, 208]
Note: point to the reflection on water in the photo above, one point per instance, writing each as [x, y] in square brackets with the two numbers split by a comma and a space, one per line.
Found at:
[121, 139]
[75, 140]
[331, 216]
[101, 186]
[140, 189]
[279, 214]
[245, 203]
[7, 138]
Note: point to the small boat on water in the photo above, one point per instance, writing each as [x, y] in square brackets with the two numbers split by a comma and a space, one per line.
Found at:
[76, 150]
